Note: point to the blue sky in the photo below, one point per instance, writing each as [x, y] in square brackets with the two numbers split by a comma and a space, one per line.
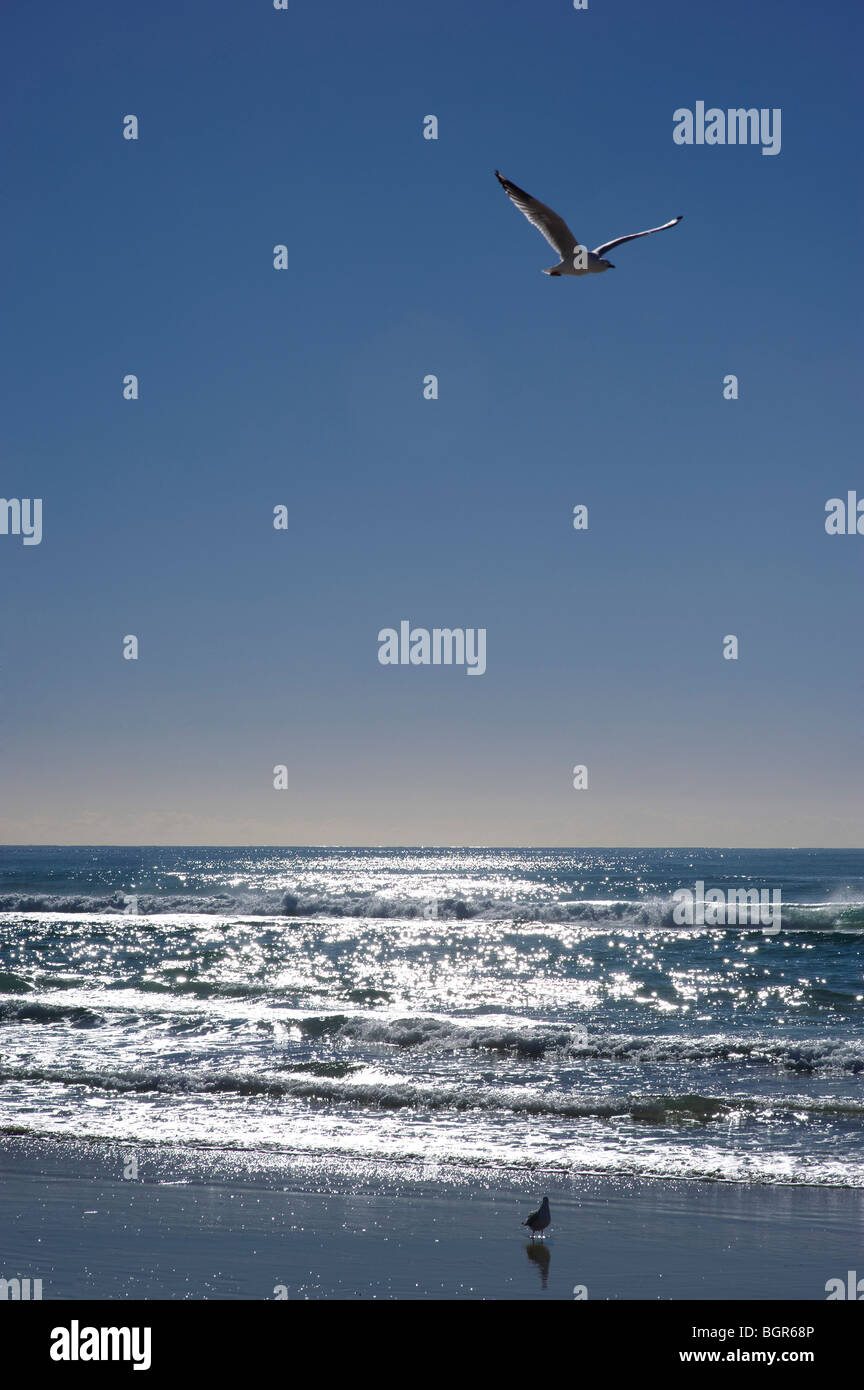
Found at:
[304, 387]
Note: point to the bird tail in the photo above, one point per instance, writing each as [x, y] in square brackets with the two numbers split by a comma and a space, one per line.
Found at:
[554, 270]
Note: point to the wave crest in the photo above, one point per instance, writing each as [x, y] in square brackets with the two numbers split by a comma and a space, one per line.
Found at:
[656, 913]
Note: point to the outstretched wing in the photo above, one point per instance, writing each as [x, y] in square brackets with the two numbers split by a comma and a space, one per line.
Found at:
[553, 227]
[619, 241]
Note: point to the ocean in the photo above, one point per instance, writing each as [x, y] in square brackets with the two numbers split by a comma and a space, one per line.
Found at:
[463, 1009]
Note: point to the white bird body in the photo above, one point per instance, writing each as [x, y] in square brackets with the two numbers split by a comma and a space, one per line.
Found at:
[575, 258]
[589, 264]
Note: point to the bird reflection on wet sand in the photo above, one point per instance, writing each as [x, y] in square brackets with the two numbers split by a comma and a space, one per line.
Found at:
[539, 1254]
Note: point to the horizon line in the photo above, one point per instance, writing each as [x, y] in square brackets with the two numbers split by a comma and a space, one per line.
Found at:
[93, 844]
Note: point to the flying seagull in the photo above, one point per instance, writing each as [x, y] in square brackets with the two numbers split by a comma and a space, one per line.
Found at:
[575, 259]
[539, 1219]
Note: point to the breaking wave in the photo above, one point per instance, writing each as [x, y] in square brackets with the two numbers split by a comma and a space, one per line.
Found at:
[15, 1012]
[536, 1040]
[634, 913]
[402, 1094]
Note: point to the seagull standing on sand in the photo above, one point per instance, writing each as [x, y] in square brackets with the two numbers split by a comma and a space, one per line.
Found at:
[539, 1219]
[559, 235]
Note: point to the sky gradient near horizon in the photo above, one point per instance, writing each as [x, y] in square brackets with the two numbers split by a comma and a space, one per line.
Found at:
[304, 387]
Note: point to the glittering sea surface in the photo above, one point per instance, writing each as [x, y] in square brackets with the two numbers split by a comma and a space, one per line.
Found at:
[505, 1008]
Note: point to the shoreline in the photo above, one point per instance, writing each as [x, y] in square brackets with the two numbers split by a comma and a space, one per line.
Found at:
[222, 1224]
[301, 1158]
